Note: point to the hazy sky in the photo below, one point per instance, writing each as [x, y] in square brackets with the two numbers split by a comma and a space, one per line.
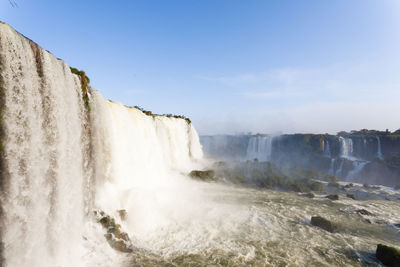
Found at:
[232, 66]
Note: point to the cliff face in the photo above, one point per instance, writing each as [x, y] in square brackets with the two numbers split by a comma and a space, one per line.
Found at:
[363, 156]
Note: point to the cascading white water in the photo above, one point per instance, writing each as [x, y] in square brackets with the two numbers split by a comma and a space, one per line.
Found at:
[379, 150]
[357, 167]
[62, 162]
[327, 150]
[331, 170]
[141, 163]
[259, 147]
[340, 169]
[46, 156]
[346, 147]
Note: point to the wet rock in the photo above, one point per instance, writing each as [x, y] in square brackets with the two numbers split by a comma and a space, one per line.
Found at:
[364, 212]
[371, 186]
[348, 186]
[115, 237]
[397, 225]
[333, 197]
[389, 256]
[323, 224]
[120, 245]
[352, 196]
[397, 187]
[207, 175]
[309, 195]
[122, 214]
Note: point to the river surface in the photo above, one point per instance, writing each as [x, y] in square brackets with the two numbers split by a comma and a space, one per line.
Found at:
[249, 227]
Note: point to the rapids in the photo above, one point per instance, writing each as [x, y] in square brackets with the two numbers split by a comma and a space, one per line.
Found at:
[248, 227]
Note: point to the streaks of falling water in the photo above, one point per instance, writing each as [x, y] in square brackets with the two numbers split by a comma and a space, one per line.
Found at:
[346, 147]
[259, 147]
[379, 149]
[42, 119]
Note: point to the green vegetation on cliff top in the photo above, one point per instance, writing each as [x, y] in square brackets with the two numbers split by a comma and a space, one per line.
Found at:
[149, 113]
[84, 85]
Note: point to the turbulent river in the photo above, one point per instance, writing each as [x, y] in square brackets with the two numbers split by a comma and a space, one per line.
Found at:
[247, 227]
[90, 182]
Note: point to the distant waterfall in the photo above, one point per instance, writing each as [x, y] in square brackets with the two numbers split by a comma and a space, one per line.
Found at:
[259, 147]
[358, 166]
[346, 147]
[379, 151]
[327, 150]
[331, 170]
[340, 169]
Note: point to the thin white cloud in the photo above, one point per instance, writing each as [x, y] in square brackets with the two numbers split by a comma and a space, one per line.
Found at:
[310, 100]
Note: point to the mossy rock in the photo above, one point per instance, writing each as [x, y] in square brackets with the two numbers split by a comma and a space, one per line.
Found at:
[107, 222]
[352, 196]
[333, 197]
[347, 186]
[309, 195]
[207, 175]
[115, 237]
[121, 246]
[323, 224]
[389, 256]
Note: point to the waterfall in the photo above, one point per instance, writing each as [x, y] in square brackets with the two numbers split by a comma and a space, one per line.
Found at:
[357, 167]
[340, 169]
[379, 151]
[259, 147]
[137, 163]
[346, 147]
[45, 156]
[331, 170]
[327, 150]
[59, 161]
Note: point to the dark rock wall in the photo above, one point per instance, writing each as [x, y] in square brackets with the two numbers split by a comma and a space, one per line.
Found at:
[309, 151]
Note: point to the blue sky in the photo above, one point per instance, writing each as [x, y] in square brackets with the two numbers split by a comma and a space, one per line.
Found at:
[232, 66]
